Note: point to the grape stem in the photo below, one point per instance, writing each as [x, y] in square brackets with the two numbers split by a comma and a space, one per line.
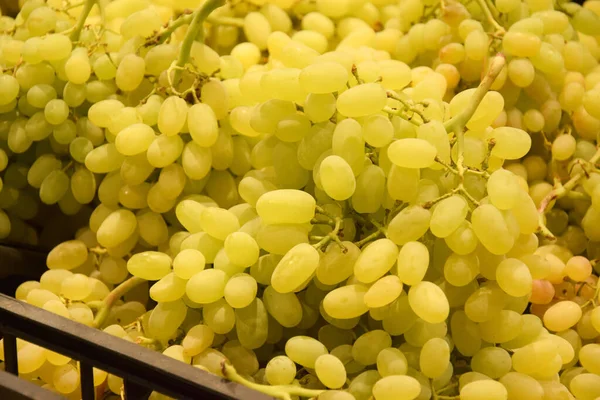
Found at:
[284, 392]
[333, 235]
[407, 105]
[559, 191]
[490, 17]
[369, 238]
[458, 123]
[112, 297]
[87, 7]
[195, 32]
[187, 18]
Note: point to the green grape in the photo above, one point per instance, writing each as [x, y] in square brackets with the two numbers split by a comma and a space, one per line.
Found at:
[304, 350]
[172, 116]
[206, 286]
[143, 22]
[41, 168]
[335, 265]
[219, 316]
[284, 308]
[78, 68]
[188, 214]
[134, 139]
[412, 153]
[330, 371]
[104, 159]
[391, 361]
[296, 266]
[562, 315]
[429, 302]
[251, 324]
[447, 216]
[286, 206]
[10, 89]
[348, 143]
[403, 183]
[362, 100]
[317, 107]
[491, 229]
[283, 84]
[218, 222]
[188, 262]
[75, 287]
[39, 95]
[337, 178]
[113, 270]
[201, 120]
[54, 186]
[528, 359]
[280, 370]
[370, 189]
[511, 143]
[362, 385]
[396, 387]
[65, 379]
[460, 270]
[520, 386]
[130, 72]
[37, 127]
[164, 150]
[210, 360]
[323, 78]
[513, 277]
[169, 288]
[563, 147]
[18, 141]
[166, 318]
[199, 338]
[150, 265]
[375, 260]
[240, 290]
[383, 291]
[483, 389]
[409, 225]
[56, 111]
[65, 132]
[100, 113]
[346, 302]
[204, 243]
[465, 334]
[241, 249]
[505, 327]
[412, 263]
[434, 357]
[503, 189]
[463, 240]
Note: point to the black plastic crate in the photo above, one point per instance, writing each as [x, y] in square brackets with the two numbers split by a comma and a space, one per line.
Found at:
[143, 370]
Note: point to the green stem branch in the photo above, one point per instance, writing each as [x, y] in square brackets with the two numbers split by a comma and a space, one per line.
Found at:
[458, 122]
[112, 297]
[87, 7]
[284, 392]
[195, 32]
[490, 17]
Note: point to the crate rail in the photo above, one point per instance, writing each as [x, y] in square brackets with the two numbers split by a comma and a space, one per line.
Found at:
[142, 369]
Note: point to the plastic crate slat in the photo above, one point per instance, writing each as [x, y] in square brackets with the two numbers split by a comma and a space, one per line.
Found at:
[141, 366]
[134, 391]
[13, 388]
[88, 392]
[11, 363]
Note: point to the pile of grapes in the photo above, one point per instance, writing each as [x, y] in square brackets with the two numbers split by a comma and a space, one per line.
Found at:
[328, 199]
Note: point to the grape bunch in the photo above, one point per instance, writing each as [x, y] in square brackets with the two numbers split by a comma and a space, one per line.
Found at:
[327, 199]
